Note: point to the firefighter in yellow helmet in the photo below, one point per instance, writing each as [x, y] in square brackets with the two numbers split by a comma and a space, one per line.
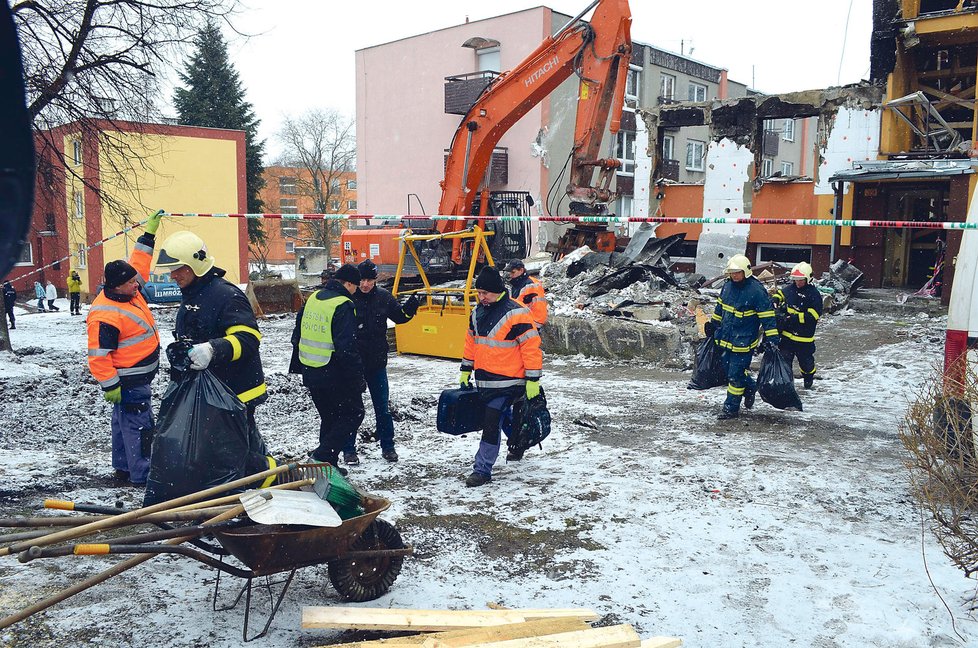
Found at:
[799, 307]
[742, 309]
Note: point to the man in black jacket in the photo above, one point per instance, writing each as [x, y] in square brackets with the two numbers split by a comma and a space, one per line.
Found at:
[325, 353]
[218, 319]
[374, 306]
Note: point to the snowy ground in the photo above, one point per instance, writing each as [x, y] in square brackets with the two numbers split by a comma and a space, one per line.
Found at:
[778, 529]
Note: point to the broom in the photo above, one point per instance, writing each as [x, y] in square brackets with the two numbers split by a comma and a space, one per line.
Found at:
[334, 488]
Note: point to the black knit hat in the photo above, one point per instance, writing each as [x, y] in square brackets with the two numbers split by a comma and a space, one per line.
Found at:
[490, 281]
[348, 272]
[368, 269]
[117, 273]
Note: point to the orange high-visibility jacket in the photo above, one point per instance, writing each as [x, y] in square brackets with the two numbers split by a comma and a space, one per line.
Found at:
[529, 291]
[502, 345]
[123, 343]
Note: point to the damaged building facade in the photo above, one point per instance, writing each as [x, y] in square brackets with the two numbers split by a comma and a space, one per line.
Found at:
[898, 147]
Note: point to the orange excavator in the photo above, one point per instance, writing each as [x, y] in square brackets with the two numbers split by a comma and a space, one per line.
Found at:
[598, 53]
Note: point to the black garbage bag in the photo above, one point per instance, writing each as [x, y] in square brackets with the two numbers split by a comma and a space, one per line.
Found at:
[775, 383]
[711, 369]
[530, 423]
[202, 439]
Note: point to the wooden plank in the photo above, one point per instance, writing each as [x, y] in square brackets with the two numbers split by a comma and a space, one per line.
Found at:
[455, 638]
[662, 642]
[426, 620]
[619, 636]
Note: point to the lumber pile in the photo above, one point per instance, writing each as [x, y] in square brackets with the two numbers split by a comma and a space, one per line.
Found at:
[494, 628]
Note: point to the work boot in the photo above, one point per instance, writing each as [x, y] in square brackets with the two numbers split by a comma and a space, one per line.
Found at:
[351, 459]
[749, 398]
[390, 455]
[808, 381]
[514, 455]
[120, 475]
[477, 479]
[727, 414]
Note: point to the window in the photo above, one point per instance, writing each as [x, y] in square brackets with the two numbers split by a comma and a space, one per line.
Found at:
[697, 92]
[287, 228]
[769, 125]
[668, 146]
[787, 168]
[633, 86]
[78, 199]
[286, 185]
[26, 255]
[695, 154]
[287, 206]
[334, 205]
[667, 87]
[49, 222]
[76, 152]
[290, 247]
[334, 186]
[784, 253]
[767, 167]
[488, 59]
[625, 151]
[789, 130]
[624, 206]
[351, 204]
[82, 255]
[351, 185]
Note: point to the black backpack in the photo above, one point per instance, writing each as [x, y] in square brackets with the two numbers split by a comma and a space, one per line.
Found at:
[531, 423]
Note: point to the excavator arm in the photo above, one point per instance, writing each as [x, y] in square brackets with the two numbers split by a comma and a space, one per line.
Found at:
[598, 53]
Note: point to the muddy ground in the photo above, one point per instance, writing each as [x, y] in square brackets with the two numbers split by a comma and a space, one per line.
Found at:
[775, 529]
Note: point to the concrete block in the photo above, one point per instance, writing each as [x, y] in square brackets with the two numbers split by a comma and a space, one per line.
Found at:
[608, 337]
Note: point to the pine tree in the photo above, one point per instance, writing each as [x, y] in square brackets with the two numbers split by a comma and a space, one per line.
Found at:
[215, 98]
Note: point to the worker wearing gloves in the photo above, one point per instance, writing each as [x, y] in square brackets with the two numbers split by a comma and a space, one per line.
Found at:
[124, 355]
[528, 291]
[217, 318]
[800, 307]
[742, 308]
[325, 353]
[374, 306]
[502, 347]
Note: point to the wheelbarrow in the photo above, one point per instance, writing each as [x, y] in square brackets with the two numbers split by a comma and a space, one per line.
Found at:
[363, 555]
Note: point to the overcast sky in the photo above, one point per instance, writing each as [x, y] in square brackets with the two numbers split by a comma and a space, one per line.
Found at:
[302, 53]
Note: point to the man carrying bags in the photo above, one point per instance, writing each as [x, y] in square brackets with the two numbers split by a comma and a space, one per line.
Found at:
[800, 306]
[502, 347]
[124, 353]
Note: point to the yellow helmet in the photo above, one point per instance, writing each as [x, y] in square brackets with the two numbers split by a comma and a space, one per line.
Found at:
[802, 271]
[185, 249]
[738, 263]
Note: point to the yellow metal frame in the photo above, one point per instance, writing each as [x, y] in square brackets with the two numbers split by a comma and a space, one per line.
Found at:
[439, 329]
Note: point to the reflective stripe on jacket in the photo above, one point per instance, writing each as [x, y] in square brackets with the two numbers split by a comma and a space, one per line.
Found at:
[529, 291]
[743, 307]
[803, 308]
[502, 345]
[123, 343]
[316, 330]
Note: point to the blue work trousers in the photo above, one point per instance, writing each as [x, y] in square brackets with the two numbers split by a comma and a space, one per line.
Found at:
[380, 394]
[739, 380]
[804, 351]
[488, 451]
[132, 419]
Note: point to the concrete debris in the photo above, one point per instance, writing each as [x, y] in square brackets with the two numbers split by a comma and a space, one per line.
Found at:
[838, 285]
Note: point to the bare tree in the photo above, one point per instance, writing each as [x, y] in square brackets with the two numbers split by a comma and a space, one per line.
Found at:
[88, 62]
[323, 144]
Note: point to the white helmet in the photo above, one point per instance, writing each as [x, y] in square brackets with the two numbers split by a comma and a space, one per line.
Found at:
[802, 271]
[185, 249]
[738, 263]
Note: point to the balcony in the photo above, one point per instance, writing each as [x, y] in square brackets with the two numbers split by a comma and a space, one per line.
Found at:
[497, 175]
[771, 143]
[463, 90]
[667, 101]
[669, 170]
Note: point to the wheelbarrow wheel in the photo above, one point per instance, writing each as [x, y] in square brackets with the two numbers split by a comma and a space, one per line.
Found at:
[364, 579]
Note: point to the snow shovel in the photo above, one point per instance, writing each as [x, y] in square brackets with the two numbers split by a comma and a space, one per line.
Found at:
[289, 507]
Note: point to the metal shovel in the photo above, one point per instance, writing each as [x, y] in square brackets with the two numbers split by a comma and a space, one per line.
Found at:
[289, 507]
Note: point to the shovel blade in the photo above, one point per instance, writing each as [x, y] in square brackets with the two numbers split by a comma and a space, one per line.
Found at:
[289, 507]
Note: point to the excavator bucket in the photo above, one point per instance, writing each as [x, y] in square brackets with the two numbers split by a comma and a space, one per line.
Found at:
[274, 296]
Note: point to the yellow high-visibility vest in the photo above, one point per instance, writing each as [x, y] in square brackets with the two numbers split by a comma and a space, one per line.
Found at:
[316, 330]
